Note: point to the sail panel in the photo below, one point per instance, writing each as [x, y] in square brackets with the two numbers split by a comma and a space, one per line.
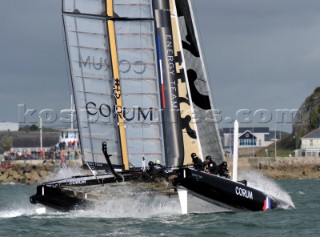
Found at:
[86, 40]
[89, 85]
[86, 25]
[143, 131]
[135, 86]
[141, 100]
[88, 51]
[92, 7]
[90, 64]
[136, 51]
[133, 8]
[151, 152]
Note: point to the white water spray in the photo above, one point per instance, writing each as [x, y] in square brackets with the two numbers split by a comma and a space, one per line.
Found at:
[65, 173]
[268, 186]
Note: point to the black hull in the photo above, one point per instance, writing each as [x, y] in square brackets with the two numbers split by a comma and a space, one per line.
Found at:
[223, 192]
[59, 195]
[57, 199]
[71, 194]
[76, 193]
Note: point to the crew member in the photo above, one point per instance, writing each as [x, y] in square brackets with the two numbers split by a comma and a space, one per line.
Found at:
[211, 166]
[197, 162]
[155, 169]
[223, 170]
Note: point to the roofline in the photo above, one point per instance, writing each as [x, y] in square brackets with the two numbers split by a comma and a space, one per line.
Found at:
[310, 133]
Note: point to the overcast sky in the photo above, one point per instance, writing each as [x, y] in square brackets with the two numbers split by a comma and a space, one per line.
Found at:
[260, 54]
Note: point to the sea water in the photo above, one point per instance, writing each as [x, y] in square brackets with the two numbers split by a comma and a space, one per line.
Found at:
[19, 218]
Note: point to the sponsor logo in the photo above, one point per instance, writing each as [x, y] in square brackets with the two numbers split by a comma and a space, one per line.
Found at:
[77, 182]
[197, 176]
[244, 193]
[125, 66]
[107, 111]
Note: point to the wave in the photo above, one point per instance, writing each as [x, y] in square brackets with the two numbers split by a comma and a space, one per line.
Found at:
[5, 214]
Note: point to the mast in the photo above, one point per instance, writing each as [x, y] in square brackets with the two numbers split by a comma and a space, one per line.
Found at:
[117, 87]
[71, 113]
[40, 122]
[235, 151]
[168, 84]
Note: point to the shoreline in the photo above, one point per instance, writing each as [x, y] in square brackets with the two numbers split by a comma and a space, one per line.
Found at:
[33, 171]
[281, 167]
[291, 168]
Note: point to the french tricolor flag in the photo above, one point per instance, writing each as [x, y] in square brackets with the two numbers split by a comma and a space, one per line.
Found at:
[163, 99]
[267, 204]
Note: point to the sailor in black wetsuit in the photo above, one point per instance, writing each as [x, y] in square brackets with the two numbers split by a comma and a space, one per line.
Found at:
[211, 166]
[155, 169]
[197, 162]
[223, 170]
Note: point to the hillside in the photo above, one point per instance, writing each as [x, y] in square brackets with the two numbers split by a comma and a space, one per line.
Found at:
[307, 117]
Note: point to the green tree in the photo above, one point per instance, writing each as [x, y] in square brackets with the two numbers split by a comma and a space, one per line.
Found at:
[34, 127]
[7, 144]
[314, 119]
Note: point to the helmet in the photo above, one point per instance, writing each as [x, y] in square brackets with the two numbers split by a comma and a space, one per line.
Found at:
[193, 155]
[158, 162]
[208, 158]
[151, 163]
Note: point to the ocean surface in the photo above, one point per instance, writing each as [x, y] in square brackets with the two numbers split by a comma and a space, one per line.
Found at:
[19, 218]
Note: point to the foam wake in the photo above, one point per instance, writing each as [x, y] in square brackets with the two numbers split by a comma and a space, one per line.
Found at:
[268, 186]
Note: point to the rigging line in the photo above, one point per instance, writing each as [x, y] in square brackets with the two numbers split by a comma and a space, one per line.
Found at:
[67, 65]
[141, 81]
[100, 17]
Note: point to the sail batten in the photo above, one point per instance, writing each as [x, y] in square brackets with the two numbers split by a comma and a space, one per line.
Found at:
[127, 34]
[87, 33]
[92, 78]
[94, 93]
[87, 47]
[132, 4]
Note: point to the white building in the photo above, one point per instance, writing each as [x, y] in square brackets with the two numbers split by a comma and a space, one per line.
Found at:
[248, 137]
[310, 144]
[9, 126]
[69, 135]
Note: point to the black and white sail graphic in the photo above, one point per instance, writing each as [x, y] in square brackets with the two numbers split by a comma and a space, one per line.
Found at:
[203, 108]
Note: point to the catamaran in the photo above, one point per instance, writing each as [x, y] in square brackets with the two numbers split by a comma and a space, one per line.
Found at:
[142, 97]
